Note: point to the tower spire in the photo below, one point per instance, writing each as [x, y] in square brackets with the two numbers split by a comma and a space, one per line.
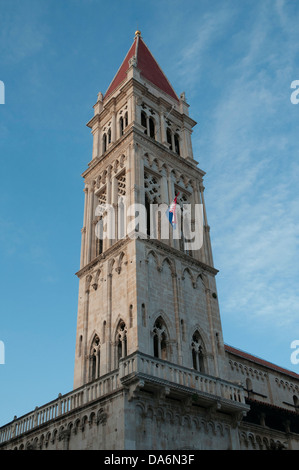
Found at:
[148, 67]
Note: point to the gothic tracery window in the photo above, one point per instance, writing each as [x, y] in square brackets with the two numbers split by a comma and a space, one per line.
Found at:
[169, 138]
[121, 341]
[104, 143]
[160, 340]
[94, 359]
[152, 127]
[177, 144]
[143, 121]
[197, 352]
[121, 126]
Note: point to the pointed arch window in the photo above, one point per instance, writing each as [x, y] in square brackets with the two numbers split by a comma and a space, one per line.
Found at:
[94, 359]
[197, 352]
[160, 340]
[152, 127]
[121, 126]
[169, 138]
[104, 143]
[99, 246]
[121, 341]
[148, 214]
[144, 121]
[177, 144]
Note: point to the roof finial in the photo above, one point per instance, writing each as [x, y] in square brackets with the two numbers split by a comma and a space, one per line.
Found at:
[137, 33]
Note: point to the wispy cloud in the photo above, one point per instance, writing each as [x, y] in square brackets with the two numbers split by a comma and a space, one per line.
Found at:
[204, 34]
[248, 153]
[22, 31]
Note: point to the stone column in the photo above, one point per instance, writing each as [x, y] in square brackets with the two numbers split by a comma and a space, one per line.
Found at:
[177, 317]
[212, 331]
[83, 231]
[90, 223]
[109, 322]
[163, 130]
[113, 127]
[206, 234]
[85, 330]
[95, 148]
[170, 186]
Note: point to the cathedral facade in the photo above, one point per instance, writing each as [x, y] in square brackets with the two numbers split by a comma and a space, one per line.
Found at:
[152, 371]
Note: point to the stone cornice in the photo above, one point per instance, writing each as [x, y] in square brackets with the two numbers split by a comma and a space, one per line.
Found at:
[103, 256]
[166, 154]
[179, 254]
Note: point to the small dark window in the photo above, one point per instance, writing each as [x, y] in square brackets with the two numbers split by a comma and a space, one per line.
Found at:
[143, 121]
[148, 215]
[177, 144]
[152, 127]
[156, 346]
[169, 138]
[99, 246]
[121, 126]
[160, 339]
[104, 143]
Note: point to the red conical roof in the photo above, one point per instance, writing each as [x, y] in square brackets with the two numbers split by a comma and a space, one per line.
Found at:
[149, 69]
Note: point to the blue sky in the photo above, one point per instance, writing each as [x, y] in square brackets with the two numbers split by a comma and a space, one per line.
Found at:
[235, 61]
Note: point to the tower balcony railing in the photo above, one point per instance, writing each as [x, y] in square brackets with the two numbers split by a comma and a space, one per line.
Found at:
[135, 366]
[167, 373]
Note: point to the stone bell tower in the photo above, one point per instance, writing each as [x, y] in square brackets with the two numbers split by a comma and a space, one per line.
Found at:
[148, 311]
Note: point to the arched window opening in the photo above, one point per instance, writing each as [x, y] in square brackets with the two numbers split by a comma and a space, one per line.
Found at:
[152, 127]
[104, 331]
[169, 138]
[163, 346]
[156, 347]
[143, 121]
[160, 341]
[148, 215]
[104, 143]
[109, 136]
[131, 315]
[126, 119]
[296, 401]
[197, 352]
[121, 341]
[94, 359]
[80, 345]
[99, 246]
[177, 144]
[121, 126]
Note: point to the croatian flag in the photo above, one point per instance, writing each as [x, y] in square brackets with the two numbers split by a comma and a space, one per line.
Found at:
[171, 212]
